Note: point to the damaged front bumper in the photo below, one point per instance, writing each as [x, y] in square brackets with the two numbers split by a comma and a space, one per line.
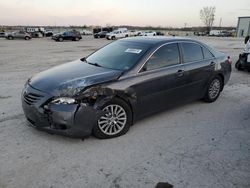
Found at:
[73, 120]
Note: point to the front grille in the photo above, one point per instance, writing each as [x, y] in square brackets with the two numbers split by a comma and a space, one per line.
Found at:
[31, 98]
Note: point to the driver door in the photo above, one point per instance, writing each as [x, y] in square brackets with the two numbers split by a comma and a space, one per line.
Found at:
[162, 79]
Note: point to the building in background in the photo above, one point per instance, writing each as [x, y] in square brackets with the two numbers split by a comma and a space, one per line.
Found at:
[243, 26]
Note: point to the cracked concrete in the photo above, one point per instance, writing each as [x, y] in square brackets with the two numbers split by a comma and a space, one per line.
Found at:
[192, 145]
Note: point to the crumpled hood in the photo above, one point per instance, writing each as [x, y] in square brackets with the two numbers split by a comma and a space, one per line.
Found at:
[70, 78]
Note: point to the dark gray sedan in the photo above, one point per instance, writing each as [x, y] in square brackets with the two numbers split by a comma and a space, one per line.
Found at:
[106, 92]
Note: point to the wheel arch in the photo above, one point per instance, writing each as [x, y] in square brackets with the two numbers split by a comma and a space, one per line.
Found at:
[222, 79]
[128, 102]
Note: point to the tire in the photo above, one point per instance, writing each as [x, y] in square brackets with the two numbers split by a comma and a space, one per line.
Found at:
[238, 66]
[27, 38]
[107, 126]
[60, 39]
[213, 90]
[10, 37]
[77, 39]
[113, 37]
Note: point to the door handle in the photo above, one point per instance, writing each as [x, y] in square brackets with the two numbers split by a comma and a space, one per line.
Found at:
[212, 64]
[180, 73]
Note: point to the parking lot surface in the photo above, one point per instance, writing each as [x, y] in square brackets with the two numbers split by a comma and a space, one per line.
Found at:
[193, 145]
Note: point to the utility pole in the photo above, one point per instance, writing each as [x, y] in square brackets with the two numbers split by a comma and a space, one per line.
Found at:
[220, 22]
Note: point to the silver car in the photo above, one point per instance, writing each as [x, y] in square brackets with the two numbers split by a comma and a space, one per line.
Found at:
[18, 35]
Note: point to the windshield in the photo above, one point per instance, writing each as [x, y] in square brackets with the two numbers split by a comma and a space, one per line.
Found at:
[119, 55]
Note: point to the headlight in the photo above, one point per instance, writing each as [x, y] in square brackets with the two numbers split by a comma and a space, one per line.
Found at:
[63, 100]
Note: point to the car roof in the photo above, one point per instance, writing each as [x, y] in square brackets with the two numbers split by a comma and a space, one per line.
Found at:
[157, 39]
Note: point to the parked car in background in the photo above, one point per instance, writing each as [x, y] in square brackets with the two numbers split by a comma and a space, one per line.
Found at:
[148, 33]
[18, 35]
[159, 33]
[86, 32]
[48, 32]
[35, 32]
[2, 34]
[107, 91]
[200, 33]
[243, 62]
[117, 34]
[215, 33]
[101, 34]
[67, 35]
[133, 33]
[99, 29]
[225, 34]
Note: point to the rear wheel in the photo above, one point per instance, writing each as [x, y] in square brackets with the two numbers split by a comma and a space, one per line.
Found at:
[10, 38]
[213, 90]
[77, 39]
[113, 37]
[27, 38]
[115, 122]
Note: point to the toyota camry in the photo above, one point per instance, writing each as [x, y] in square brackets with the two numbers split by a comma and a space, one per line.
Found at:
[107, 91]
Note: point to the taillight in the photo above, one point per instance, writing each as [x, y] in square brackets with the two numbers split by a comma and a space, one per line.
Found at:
[229, 60]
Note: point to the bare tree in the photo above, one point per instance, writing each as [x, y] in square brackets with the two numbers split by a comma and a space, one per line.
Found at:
[207, 16]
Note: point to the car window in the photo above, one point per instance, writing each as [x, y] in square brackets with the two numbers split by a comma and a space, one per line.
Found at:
[165, 56]
[191, 52]
[207, 54]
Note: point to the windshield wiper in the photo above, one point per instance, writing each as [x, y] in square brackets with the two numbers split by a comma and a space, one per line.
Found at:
[95, 64]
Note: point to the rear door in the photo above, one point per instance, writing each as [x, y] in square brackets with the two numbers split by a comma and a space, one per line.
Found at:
[66, 35]
[199, 64]
[20, 34]
[160, 80]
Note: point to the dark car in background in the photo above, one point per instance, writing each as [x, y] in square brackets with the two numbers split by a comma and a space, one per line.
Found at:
[101, 34]
[243, 62]
[48, 33]
[159, 33]
[107, 91]
[67, 35]
[18, 35]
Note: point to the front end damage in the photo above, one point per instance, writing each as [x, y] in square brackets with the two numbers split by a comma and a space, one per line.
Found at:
[75, 119]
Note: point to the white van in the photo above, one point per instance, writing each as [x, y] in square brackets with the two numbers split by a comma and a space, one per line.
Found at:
[215, 33]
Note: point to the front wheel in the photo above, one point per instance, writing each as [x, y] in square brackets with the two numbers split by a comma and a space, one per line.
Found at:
[115, 122]
[27, 38]
[60, 39]
[213, 90]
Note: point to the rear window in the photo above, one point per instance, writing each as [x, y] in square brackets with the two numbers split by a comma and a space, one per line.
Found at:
[192, 52]
[207, 54]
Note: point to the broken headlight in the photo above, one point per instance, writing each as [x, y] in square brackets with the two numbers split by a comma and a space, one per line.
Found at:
[63, 100]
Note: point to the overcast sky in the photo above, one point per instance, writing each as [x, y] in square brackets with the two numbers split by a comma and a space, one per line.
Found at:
[173, 13]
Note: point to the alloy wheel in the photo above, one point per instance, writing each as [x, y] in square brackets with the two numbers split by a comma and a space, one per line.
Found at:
[113, 121]
[214, 88]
